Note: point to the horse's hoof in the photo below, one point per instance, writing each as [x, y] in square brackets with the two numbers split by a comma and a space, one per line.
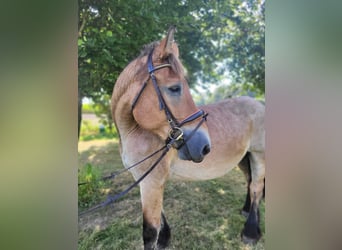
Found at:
[251, 241]
[250, 237]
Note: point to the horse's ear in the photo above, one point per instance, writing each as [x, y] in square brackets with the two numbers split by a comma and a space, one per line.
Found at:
[168, 45]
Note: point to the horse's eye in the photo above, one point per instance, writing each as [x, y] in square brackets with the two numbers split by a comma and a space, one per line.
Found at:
[175, 90]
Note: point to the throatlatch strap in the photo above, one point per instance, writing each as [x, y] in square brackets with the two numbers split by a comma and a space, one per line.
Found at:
[136, 98]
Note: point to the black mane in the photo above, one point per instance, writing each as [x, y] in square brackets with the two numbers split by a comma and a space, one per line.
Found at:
[147, 48]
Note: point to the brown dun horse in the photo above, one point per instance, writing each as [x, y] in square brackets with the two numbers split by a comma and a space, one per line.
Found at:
[151, 102]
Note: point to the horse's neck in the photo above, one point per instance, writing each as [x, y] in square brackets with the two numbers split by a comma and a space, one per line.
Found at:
[123, 117]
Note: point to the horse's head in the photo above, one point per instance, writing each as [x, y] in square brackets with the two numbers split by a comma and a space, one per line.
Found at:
[162, 102]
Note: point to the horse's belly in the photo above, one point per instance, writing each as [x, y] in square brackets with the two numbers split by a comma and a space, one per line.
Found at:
[209, 168]
[226, 153]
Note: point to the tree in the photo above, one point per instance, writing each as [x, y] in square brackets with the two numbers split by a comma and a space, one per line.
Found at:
[246, 48]
[237, 31]
[212, 33]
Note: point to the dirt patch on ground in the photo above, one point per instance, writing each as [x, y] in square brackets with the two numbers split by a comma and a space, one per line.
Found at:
[94, 222]
[86, 145]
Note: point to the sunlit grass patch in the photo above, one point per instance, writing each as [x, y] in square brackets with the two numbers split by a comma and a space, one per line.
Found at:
[90, 131]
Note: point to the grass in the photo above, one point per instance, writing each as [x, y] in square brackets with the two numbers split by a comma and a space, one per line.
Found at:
[202, 214]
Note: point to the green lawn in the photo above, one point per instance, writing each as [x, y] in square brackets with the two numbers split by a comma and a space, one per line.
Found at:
[202, 215]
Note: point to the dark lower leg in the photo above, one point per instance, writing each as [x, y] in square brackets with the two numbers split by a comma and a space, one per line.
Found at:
[244, 165]
[153, 239]
[247, 206]
[150, 234]
[251, 232]
[164, 234]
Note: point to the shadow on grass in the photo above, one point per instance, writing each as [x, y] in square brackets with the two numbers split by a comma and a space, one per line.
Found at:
[104, 154]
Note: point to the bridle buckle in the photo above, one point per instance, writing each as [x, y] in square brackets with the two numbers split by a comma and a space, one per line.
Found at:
[176, 134]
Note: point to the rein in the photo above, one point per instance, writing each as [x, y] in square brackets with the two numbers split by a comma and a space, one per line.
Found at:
[113, 175]
[175, 138]
[111, 199]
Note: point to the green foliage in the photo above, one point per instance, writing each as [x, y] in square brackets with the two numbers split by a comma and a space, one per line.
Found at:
[90, 131]
[246, 89]
[228, 35]
[103, 111]
[217, 40]
[225, 91]
[89, 193]
[87, 108]
[233, 90]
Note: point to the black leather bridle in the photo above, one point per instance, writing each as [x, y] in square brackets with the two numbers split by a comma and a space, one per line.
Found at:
[175, 133]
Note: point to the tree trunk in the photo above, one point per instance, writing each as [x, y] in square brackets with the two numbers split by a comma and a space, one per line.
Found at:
[79, 112]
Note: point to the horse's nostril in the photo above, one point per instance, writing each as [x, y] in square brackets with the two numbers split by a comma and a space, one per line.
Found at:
[206, 150]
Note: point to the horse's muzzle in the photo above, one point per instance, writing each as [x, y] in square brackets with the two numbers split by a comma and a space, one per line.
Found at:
[196, 147]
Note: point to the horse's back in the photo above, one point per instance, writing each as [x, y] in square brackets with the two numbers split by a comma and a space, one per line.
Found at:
[243, 106]
[239, 115]
[236, 116]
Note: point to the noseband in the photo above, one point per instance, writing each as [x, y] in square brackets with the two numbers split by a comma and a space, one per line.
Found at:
[175, 133]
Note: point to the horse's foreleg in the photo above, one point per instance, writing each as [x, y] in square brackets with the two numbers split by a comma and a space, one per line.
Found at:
[156, 231]
[251, 232]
